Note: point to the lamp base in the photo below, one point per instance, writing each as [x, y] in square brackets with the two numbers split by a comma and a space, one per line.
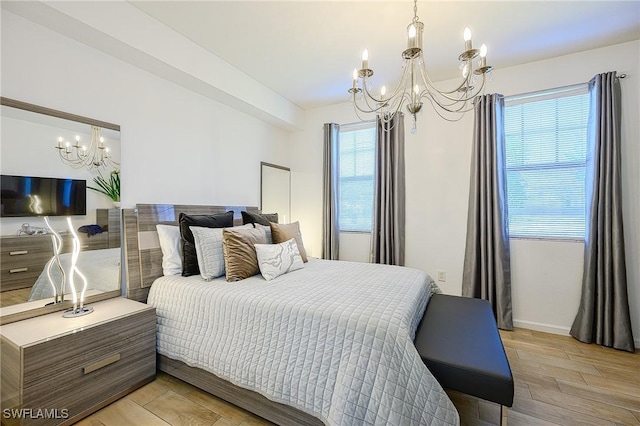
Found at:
[73, 313]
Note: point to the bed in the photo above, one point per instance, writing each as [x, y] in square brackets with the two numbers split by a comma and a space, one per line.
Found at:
[101, 267]
[331, 343]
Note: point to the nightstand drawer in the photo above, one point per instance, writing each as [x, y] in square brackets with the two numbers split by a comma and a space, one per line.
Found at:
[58, 357]
[75, 390]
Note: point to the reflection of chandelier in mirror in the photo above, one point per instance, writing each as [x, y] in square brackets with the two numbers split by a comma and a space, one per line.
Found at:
[416, 86]
[95, 156]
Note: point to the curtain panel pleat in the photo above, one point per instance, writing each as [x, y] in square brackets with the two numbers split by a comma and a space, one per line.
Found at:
[603, 316]
[388, 225]
[330, 185]
[487, 260]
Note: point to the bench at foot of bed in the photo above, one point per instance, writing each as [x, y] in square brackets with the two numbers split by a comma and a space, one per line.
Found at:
[459, 342]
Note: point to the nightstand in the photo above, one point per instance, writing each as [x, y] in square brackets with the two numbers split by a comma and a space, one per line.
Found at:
[58, 370]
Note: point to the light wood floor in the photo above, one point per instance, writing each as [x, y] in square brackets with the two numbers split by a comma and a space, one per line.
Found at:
[559, 381]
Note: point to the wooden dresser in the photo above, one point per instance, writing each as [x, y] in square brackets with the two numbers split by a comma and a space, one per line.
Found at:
[58, 370]
[22, 258]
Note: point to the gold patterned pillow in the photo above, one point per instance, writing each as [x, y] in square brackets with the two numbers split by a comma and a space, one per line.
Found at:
[240, 258]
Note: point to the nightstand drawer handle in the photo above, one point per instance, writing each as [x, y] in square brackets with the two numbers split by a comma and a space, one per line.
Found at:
[102, 363]
[18, 252]
[15, 271]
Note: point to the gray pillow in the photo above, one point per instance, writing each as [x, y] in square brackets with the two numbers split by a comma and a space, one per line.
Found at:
[189, 256]
[208, 242]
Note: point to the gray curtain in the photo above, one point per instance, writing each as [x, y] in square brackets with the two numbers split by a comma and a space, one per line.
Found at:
[487, 258]
[330, 229]
[388, 227]
[603, 316]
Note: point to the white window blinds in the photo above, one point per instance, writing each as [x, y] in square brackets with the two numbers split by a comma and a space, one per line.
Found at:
[356, 165]
[546, 152]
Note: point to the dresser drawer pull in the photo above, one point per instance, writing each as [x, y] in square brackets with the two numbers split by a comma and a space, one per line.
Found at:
[18, 252]
[102, 363]
[15, 271]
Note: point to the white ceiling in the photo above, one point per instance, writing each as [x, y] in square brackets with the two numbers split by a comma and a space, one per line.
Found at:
[306, 50]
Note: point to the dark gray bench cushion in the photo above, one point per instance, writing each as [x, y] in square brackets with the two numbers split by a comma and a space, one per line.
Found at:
[459, 342]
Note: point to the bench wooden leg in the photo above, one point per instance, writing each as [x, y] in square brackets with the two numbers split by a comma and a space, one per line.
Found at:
[503, 415]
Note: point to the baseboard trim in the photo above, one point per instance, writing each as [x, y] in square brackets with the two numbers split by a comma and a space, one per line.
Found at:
[553, 329]
[538, 326]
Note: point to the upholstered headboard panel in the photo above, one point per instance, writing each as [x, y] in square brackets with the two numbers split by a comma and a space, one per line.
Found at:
[142, 246]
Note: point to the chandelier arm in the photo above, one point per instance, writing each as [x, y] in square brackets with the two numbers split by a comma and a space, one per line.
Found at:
[366, 111]
[458, 117]
[449, 106]
[465, 82]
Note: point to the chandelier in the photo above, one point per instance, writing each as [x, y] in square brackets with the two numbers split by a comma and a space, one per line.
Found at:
[415, 87]
[95, 156]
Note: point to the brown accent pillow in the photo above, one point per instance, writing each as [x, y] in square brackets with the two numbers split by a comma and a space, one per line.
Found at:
[284, 232]
[240, 259]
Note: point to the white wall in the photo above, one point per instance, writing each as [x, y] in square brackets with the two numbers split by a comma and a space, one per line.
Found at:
[546, 274]
[177, 146]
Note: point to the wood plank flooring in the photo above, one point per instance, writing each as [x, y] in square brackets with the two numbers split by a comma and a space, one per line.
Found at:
[559, 381]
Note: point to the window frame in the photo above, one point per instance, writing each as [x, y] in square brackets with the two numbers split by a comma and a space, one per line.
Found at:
[537, 96]
[352, 127]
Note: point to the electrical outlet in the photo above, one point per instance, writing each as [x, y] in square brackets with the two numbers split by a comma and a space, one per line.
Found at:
[442, 276]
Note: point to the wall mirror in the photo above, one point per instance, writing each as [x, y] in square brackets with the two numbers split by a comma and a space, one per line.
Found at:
[29, 156]
[275, 191]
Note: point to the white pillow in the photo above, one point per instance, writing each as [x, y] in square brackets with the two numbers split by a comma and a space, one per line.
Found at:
[169, 236]
[208, 242]
[277, 259]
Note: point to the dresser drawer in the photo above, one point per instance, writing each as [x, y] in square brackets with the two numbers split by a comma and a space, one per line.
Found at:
[17, 246]
[18, 277]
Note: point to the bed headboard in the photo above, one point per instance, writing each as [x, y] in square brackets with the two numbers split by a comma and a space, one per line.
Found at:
[143, 256]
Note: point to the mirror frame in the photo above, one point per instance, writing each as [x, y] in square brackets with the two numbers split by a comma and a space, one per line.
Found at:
[264, 164]
[20, 315]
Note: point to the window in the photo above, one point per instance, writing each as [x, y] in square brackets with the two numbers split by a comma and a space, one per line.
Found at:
[546, 150]
[356, 165]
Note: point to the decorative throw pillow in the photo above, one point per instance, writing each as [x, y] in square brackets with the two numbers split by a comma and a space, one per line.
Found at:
[240, 260]
[284, 232]
[262, 219]
[278, 259]
[189, 256]
[267, 230]
[208, 242]
[169, 236]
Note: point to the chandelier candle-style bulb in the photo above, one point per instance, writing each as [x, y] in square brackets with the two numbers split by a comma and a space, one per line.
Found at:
[411, 41]
[383, 92]
[365, 59]
[467, 39]
[483, 55]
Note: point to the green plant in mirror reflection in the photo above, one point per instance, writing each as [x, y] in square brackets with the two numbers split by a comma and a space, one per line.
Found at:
[110, 187]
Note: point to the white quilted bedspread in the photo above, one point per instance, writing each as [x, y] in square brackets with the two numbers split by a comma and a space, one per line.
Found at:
[334, 339]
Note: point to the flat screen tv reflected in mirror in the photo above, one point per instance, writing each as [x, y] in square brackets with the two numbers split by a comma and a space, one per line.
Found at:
[24, 196]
